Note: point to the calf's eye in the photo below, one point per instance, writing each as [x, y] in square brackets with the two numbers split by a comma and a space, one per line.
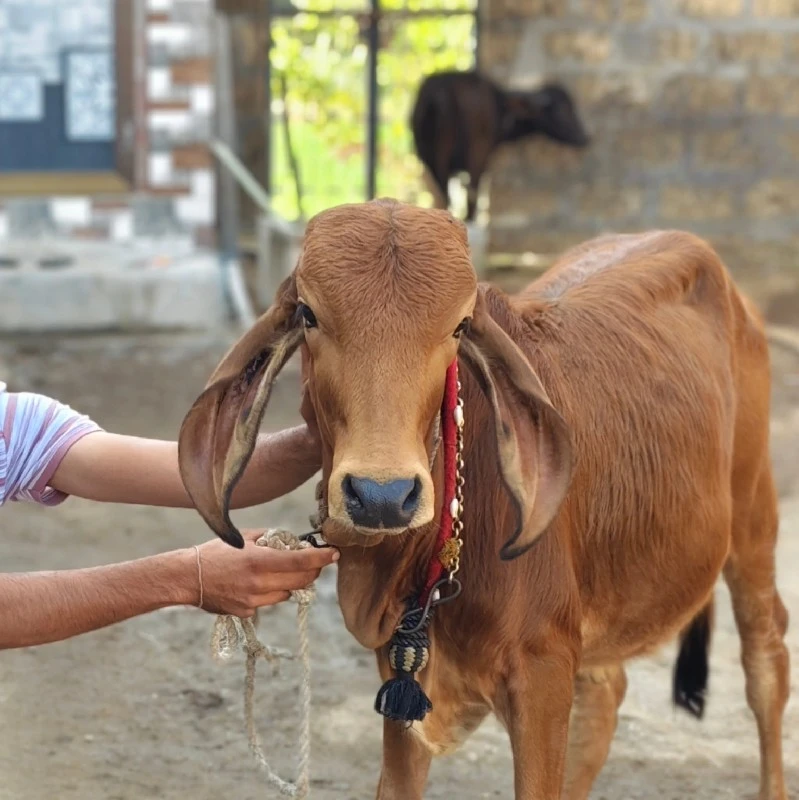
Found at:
[308, 317]
[464, 326]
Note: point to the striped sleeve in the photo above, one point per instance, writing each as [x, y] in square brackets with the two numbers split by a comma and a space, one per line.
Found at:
[35, 434]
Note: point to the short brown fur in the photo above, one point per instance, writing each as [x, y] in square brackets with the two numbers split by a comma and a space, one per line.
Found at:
[639, 417]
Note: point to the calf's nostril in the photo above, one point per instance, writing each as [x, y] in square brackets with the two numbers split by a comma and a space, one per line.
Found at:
[351, 495]
[411, 502]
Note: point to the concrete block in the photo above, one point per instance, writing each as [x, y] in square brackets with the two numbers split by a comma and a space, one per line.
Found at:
[586, 46]
[202, 100]
[181, 296]
[200, 207]
[203, 183]
[729, 150]
[29, 217]
[508, 205]
[606, 200]
[71, 212]
[685, 202]
[773, 94]
[710, 8]
[750, 46]
[173, 122]
[596, 10]
[159, 169]
[170, 34]
[774, 198]
[194, 211]
[775, 8]
[502, 9]
[546, 157]
[614, 91]
[677, 45]
[499, 47]
[645, 147]
[122, 226]
[159, 83]
[789, 142]
[700, 93]
[634, 10]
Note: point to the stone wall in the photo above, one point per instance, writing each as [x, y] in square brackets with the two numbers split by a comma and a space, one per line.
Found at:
[171, 193]
[694, 109]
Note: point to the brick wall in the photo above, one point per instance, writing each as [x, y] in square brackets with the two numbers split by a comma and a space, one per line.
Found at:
[173, 192]
[180, 106]
[694, 109]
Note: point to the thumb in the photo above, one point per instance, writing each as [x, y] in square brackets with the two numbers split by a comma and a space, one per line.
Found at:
[253, 534]
[299, 560]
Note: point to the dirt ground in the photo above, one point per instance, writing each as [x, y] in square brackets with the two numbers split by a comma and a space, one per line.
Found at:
[141, 711]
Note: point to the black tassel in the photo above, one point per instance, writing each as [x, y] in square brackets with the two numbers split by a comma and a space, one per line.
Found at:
[402, 698]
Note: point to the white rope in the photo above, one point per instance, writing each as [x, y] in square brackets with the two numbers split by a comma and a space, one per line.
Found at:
[232, 633]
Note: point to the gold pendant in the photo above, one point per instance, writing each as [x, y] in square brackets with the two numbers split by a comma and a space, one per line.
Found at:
[450, 553]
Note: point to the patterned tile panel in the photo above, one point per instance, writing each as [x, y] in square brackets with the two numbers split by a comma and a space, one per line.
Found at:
[89, 95]
[21, 97]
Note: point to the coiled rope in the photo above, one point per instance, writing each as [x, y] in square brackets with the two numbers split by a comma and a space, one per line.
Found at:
[231, 634]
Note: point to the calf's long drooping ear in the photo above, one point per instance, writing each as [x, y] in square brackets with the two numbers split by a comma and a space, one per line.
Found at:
[218, 435]
[533, 441]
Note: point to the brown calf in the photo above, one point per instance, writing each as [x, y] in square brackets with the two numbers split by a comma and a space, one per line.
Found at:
[627, 394]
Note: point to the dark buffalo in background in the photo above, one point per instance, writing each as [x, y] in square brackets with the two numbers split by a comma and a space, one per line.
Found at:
[460, 118]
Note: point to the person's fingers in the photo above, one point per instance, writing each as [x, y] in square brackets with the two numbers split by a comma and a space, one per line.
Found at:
[290, 580]
[295, 560]
[272, 598]
[298, 560]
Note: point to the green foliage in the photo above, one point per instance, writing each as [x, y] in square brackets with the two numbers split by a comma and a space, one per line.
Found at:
[324, 60]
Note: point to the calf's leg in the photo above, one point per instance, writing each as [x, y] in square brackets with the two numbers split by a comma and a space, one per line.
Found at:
[406, 763]
[762, 620]
[537, 717]
[598, 693]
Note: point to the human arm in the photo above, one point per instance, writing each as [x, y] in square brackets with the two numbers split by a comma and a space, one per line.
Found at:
[48, 451]
[127, 469]
[41, 607]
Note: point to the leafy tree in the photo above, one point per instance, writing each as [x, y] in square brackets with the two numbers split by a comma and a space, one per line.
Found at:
[324, 59]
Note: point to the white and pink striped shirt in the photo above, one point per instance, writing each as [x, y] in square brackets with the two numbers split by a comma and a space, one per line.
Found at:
[35, 434]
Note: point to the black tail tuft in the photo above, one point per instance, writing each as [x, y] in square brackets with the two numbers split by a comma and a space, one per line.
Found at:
[691, 670]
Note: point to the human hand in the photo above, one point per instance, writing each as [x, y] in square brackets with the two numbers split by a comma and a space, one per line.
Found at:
[238, 582]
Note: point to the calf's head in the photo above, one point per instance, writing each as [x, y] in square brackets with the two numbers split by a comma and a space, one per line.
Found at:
[548, 110]
[382, 301]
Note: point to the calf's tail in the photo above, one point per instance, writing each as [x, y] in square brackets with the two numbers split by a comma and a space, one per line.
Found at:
[691, 670]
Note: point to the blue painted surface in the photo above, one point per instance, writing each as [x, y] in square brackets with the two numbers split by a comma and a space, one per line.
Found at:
[43, 146]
